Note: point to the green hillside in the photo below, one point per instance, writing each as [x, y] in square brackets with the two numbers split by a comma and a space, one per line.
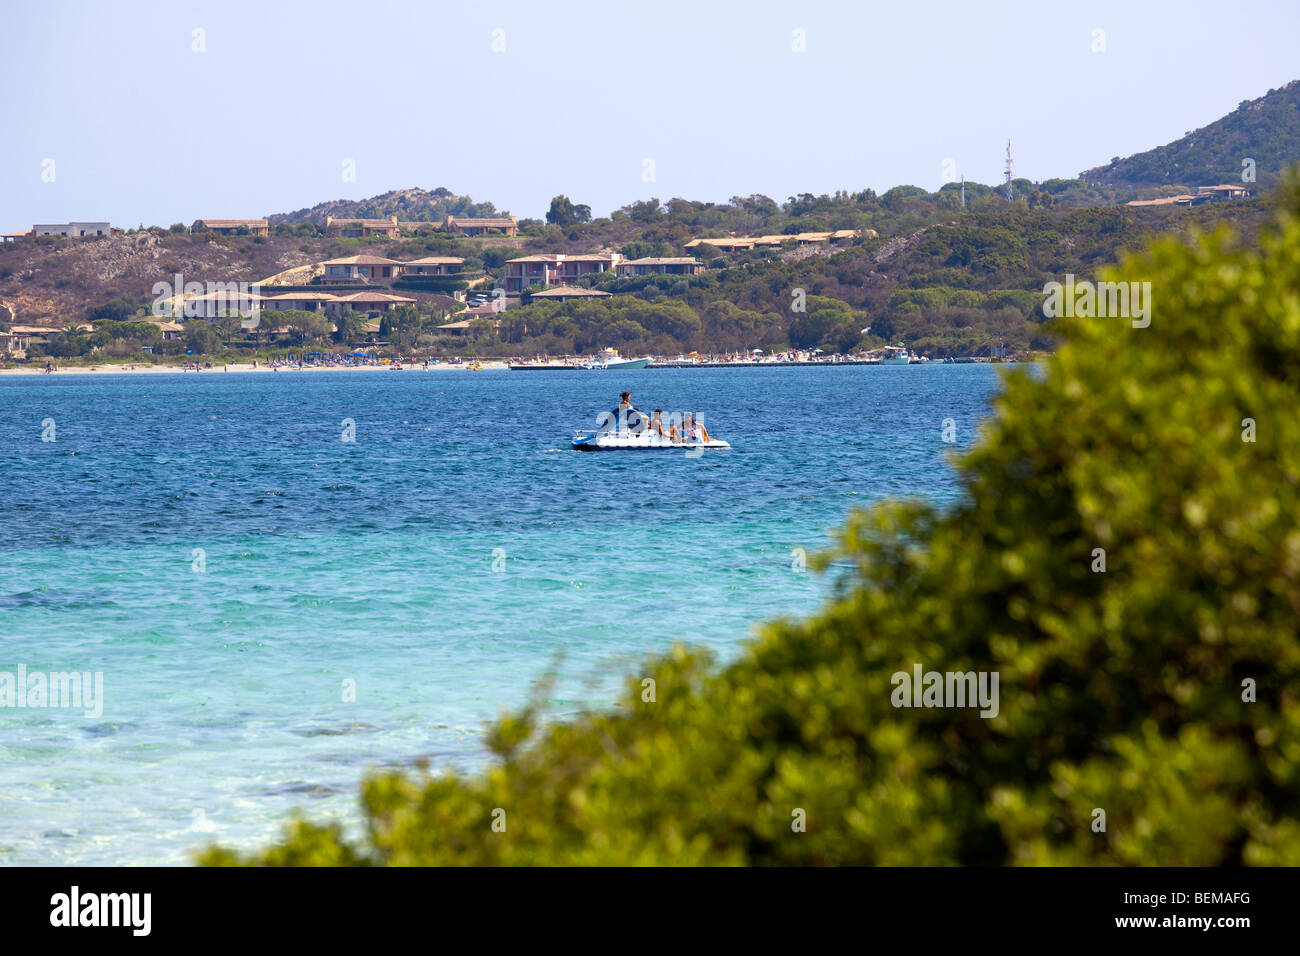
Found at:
[1266, 130]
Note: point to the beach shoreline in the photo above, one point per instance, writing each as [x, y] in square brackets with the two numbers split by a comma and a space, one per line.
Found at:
[243, 367]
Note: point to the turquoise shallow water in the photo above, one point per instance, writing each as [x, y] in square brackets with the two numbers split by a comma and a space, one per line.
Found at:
[325, 562]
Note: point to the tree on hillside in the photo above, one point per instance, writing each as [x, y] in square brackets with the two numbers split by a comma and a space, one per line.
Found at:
[565, 213]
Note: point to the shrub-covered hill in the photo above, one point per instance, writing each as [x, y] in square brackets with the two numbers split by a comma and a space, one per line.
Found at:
[957, 283]
[1266, 130]
[408, 205]
[1125, 559]
[965, 285]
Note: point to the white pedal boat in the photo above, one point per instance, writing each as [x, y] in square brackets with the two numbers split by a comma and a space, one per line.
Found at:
[631, 441]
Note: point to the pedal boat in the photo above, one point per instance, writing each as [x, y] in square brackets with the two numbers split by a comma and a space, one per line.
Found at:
[591, 440]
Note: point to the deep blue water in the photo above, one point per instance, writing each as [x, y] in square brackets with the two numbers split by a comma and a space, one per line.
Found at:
[211, 545]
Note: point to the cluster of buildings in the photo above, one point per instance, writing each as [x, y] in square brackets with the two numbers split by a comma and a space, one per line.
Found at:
[1224, 193]
[549, 271]
[391, 227]
[560, 269]
[364, 269]
[346, 228]
[213, 305]
[742, 243]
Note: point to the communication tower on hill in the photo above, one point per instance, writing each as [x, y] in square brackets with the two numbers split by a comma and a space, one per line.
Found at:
[1011, 193]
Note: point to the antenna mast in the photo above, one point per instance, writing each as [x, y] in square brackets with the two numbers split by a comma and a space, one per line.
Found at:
[1011, 194]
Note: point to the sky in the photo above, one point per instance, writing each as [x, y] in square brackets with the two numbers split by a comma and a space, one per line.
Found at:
[161, 112]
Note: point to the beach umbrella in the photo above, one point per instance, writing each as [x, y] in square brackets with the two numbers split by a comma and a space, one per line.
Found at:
[758, 351]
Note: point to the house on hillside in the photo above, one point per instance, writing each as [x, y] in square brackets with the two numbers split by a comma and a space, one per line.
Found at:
[564, 293]
[1224, 193]
[230, 227]
[671, 266]
[367, 302]
[219, 303]
[302, 301]
[528, 271]
[572, 268]
[73, 230]
[1184, 200]
[354, 228]
[742, 243]
[555, 269]
[354, 269]
[507, 225]
[433, 266]
[726, 243]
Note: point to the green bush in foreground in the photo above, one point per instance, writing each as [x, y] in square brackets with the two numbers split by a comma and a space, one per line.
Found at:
[1120, 690]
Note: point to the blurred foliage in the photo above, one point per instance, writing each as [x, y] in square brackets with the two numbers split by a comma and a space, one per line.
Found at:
[1121, 689]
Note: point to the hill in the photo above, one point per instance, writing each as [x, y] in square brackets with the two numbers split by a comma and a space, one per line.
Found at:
[1266, 130]
[408, 205]
[958, 270]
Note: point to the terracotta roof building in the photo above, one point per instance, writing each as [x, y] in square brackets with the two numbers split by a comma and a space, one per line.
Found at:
[361, 268]
[433, 266]
[563, 293]
[367, 302]
[679, 265]
[353, 228]
[478, 227]
[303, 301]
[555, 268]
[227, 227]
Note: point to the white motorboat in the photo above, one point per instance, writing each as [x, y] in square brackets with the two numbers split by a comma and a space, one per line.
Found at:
[610, 358]
[894, 355]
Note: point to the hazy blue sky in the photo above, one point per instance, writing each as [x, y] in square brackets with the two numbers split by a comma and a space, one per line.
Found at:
[143, 129]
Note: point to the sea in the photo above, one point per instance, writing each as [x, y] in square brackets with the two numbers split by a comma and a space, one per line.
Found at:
[281, 582]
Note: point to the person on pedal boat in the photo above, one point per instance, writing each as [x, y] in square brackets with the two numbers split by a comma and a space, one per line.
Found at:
[692, 430]
[657, 426]
[628, 417]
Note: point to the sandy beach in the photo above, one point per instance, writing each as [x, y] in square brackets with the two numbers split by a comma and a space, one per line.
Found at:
[244, 368]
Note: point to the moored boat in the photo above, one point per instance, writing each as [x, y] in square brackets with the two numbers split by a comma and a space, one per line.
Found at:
[610, 358]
